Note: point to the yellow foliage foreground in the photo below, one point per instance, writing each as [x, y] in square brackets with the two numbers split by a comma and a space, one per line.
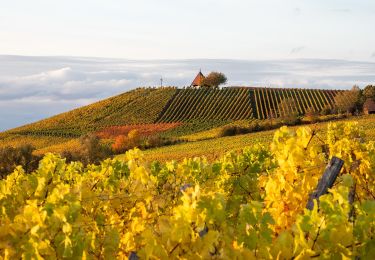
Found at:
[246, 206]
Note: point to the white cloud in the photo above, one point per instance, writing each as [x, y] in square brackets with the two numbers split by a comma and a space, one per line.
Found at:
[297, 49]
[60, 74]
[341, 10]
[297, 11]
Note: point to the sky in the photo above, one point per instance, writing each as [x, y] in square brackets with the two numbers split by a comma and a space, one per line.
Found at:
[170, 29]
[58, 55]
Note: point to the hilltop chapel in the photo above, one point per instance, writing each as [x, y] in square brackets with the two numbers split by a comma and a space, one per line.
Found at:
[198, 81]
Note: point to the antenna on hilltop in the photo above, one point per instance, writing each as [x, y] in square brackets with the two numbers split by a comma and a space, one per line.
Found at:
[161, 81]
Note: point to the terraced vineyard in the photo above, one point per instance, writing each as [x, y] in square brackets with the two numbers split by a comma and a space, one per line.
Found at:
[267, 100]
[242, 103]
[209, 104]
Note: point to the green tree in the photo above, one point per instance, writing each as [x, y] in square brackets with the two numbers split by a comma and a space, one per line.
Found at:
[11, 157]
[92, 150]
[214, 79]
[369, 92]
[349, 101]
[288, 111]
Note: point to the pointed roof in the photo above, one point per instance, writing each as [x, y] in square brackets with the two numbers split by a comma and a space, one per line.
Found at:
[198, 80]
[369, 105]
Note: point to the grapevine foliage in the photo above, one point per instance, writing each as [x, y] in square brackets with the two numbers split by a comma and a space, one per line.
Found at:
[247, 205]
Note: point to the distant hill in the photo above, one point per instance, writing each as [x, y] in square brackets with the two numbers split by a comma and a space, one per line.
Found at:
[169, 105]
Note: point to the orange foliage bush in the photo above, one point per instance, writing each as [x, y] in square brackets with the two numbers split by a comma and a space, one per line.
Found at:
[143, 130]
[123, 143]
[119, 146]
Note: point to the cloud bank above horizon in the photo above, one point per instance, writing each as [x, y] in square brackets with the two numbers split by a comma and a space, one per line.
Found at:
[32, 88]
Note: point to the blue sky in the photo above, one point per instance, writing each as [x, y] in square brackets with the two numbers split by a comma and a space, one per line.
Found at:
[275, 43]
[170, 29]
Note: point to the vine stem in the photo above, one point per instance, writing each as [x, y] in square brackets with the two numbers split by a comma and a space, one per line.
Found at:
[317, 234]
[174, 248]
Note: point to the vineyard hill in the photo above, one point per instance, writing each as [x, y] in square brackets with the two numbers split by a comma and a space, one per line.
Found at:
[170, 104]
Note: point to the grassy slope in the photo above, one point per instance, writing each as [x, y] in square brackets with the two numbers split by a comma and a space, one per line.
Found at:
[215, 147]
[212, 148]
[38, 142]
[214, 132]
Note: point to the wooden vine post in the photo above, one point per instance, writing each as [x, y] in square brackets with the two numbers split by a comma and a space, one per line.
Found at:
[329, 176]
